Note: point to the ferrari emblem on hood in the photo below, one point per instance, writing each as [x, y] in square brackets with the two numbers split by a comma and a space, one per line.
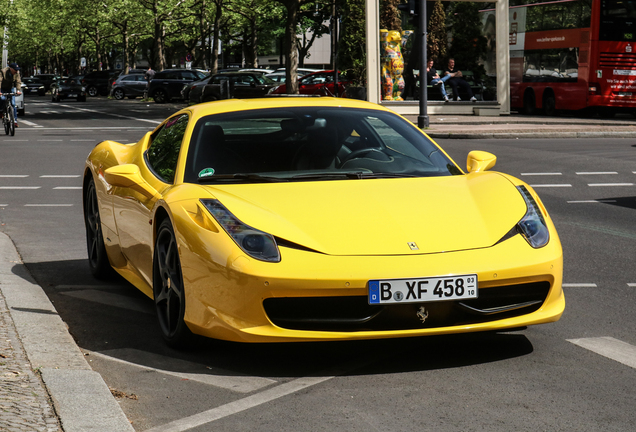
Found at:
[413, 246]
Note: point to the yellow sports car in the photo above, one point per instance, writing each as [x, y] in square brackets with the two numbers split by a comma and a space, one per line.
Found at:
[308, 219]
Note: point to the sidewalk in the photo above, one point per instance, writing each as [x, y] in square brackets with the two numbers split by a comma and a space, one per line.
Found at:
[46, 383]
[520, 126]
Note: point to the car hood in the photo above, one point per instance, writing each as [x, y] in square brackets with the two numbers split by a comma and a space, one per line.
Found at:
[381, 216]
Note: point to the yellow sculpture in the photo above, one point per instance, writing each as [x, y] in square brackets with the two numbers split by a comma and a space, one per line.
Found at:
[391, 43]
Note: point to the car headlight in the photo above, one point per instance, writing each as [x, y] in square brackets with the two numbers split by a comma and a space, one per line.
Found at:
[532, 225]
[253, 242]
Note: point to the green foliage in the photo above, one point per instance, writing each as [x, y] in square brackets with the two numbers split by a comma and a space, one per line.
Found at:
[468, 45]
[390, 15]
[352, 50]
[437, 40]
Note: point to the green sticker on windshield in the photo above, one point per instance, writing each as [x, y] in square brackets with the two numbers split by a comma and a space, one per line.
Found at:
[207, 172]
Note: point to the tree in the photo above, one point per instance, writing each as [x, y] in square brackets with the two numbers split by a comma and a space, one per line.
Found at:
[353, 58]
[468, 45]
[437, 40]
[390, 16]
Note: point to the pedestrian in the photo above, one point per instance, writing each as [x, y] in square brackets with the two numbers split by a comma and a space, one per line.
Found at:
[150, 74]
[10, 82]
[456, 81]
[434, 79]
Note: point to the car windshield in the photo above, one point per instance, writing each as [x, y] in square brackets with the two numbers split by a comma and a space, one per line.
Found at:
[310, 144]
[263, 80]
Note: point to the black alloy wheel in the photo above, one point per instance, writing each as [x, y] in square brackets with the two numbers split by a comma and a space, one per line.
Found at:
[168, 288]
[92, 91]
[118, 94]
[97, 257]
[160, 96]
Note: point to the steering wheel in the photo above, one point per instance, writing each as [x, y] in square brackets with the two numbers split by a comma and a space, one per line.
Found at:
[357, 153]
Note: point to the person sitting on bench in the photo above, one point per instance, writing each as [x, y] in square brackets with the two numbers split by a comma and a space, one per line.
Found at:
[456, 81]
[434, 79]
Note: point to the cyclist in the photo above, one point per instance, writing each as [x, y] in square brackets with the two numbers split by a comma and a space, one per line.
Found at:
[10, 82]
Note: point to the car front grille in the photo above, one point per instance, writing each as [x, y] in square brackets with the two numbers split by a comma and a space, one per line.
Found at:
[353, 313]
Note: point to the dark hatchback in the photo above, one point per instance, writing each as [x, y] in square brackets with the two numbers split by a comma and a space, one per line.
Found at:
[167, 84]
[129, 86]
[239, 85]
[68, 88]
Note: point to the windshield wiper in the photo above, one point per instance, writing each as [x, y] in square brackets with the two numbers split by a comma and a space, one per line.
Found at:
[241, 176]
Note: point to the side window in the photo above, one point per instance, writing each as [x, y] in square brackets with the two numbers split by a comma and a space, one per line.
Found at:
[163, 154]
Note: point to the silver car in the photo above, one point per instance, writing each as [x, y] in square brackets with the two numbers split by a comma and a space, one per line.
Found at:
[130, 86]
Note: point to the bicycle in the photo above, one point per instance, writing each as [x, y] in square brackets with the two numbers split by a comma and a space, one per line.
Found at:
[8, 114]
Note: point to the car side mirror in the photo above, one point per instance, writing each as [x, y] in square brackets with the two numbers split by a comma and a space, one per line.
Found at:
[128, 176]
[479, 161]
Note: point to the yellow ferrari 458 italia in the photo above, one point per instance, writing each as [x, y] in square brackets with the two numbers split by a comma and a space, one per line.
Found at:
[313, 219]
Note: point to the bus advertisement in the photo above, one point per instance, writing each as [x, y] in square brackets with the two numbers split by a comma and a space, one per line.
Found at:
[571, 55]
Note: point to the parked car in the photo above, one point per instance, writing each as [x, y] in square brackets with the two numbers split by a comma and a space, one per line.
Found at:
[301, 70]
[309, 219]
[69, 88]
[96, 83]
[47, 79]
[280, 77]
[240, 85]
[167, 84]
[129, 86]
[318, 83]
[33, 86]
[258, 70]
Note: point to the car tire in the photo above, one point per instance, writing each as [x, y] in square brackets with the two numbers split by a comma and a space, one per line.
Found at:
[160, 96]
[97, 256]
[168, 289]
[118, 94]
[92, 91]
[549, 104]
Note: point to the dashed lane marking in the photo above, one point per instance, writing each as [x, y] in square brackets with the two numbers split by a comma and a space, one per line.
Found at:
[579, 285]
[13, 175]
[597, 173]
[631, 285]
[215, 377]
[542, 174]
[48, 205]
[68, 187]
[551, 185]
[591, 201]
[20, 187]
[60, 176]
[111, 114]
[609, 184]
[609, 347]
[29, 123]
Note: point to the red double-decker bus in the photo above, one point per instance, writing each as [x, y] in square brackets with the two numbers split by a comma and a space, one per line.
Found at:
[572, 55]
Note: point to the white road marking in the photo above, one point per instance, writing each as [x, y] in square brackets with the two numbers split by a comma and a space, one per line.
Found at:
[591, 201]
[68, 187]
[215, 377]
[245, 403]
[29, 123]
[110, 299]
[4, 205]
[609, 347]
[15, 140]
[610, 184]
[50, 140]
[111, 114]
[579, 285]
[48, 205]
[631, 285]
[60, 176]
[551, 185]
[597, 173]
[20, 187]
[13, 175]
[542, 174]
[83, 140]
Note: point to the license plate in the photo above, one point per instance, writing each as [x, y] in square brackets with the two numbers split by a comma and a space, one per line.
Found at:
[392, 291]
[72, 95]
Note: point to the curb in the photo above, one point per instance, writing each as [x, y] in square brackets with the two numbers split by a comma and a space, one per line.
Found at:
[80, 396]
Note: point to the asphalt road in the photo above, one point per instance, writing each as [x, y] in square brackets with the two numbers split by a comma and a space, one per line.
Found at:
[574, 375]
